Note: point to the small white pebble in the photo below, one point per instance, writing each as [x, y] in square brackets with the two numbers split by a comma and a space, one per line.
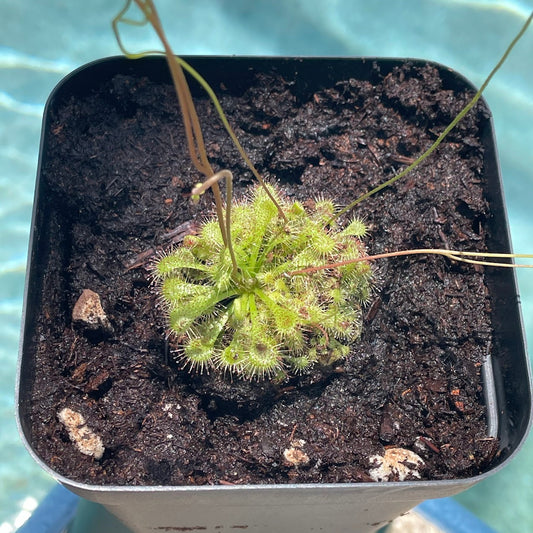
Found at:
[88, 311]
[295, 455]
[168, 407]
[397, 463]
[421, 445]
[82, 436]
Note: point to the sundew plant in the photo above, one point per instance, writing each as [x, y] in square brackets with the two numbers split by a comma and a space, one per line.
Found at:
[268, 287]
[244, 314]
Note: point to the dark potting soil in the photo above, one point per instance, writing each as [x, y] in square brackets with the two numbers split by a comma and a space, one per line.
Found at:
[118, 183]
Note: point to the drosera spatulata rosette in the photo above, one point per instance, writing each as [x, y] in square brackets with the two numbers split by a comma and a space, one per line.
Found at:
[257, 321]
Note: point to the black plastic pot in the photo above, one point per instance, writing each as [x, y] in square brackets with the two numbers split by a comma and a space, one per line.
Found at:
[296, 508]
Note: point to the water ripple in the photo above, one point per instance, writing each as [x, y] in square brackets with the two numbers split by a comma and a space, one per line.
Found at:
[8, 102]
[10, 58]
[516, 7]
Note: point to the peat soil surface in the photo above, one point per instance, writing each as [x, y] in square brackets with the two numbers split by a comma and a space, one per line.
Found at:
[118, 182]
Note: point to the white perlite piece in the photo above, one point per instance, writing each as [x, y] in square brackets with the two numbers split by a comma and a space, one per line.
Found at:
[88, 311]
[295, 455]
[396, 464]
[87, 442]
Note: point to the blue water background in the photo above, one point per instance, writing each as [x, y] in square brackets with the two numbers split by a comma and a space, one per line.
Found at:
[42, 41]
